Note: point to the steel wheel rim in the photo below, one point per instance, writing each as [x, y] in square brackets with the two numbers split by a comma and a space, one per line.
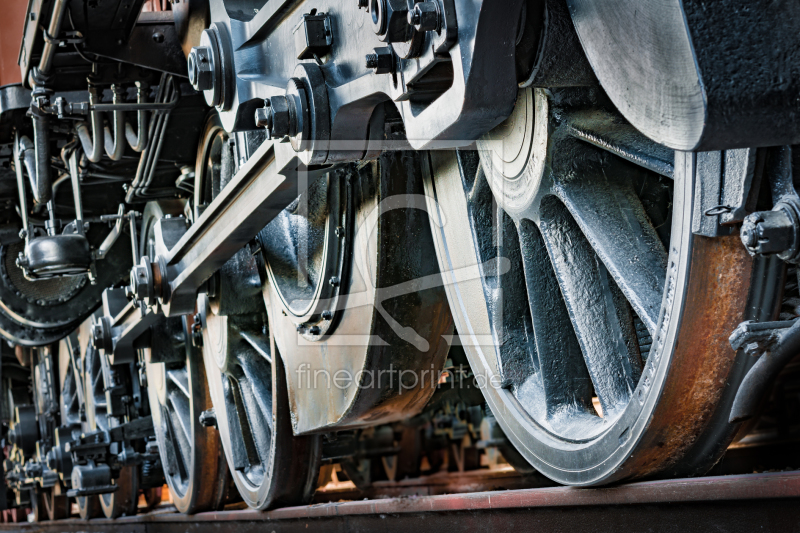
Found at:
[606, 455]
[239, 370]
[178, 394]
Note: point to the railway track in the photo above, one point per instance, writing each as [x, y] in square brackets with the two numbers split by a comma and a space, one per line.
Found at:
[764, 502]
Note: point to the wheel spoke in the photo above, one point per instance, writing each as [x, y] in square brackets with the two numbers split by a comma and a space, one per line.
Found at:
[257, 420]
[561, 368]
[612, 133]
[518, 359]
[243, 451]
[586, 287]
[179, 408]
[613, 220]
[258, 375]
[174, 445]
[180, 379]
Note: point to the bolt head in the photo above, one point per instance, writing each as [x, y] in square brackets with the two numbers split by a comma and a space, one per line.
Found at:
[208, 418]
[263, 117]
[201, 68]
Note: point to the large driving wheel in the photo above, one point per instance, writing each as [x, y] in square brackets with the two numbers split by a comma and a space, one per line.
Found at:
[595, 321]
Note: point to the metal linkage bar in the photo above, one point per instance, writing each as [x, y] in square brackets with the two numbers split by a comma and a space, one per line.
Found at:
[261, 189]
[187, 256]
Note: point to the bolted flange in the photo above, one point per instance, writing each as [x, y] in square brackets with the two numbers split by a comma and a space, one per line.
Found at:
[210, 67]
[141, 286]
[102, 337]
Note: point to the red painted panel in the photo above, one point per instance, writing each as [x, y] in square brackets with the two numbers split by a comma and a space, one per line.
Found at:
[12, 23]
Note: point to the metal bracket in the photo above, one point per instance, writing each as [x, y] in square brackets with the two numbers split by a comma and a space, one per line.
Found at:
[778, 342]
[724, 190]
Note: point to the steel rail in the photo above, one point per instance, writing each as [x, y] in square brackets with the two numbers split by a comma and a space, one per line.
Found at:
[767, 502]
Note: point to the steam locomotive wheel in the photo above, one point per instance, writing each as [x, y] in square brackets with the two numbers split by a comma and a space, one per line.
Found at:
[125, 500]
[270, 466]
[194, 465]
[56, 503]
[352, 287]
[614, 363]
[178, 392]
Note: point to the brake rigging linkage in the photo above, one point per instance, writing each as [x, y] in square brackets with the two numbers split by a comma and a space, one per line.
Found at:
[765, 233]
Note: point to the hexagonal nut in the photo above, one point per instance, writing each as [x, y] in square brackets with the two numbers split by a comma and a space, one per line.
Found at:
[767, 232]
[141, 282]
[390, 20]
[280, 117]
[201, 68]
[381, 60]
[425, 16]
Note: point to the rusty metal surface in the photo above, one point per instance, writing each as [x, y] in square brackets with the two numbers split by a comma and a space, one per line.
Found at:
[11, 26]
[716, 298]
[764, 502]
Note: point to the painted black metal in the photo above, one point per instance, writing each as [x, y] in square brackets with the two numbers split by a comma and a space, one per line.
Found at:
[711, 66]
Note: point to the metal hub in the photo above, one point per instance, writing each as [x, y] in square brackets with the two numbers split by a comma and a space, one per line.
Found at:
[308, 251]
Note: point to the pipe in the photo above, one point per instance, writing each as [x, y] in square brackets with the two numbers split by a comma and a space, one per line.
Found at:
[40, 178]
[23, 202]
[783, 348]
[138, 139]
[76, 191]
[92, 143]
[115, 142]
[27, 153]
[46, 62]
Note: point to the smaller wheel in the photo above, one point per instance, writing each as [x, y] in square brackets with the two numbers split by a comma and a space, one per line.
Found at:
[88, 507]
[194, 466]
[38, 507]
[56, 504]
[125, 500]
